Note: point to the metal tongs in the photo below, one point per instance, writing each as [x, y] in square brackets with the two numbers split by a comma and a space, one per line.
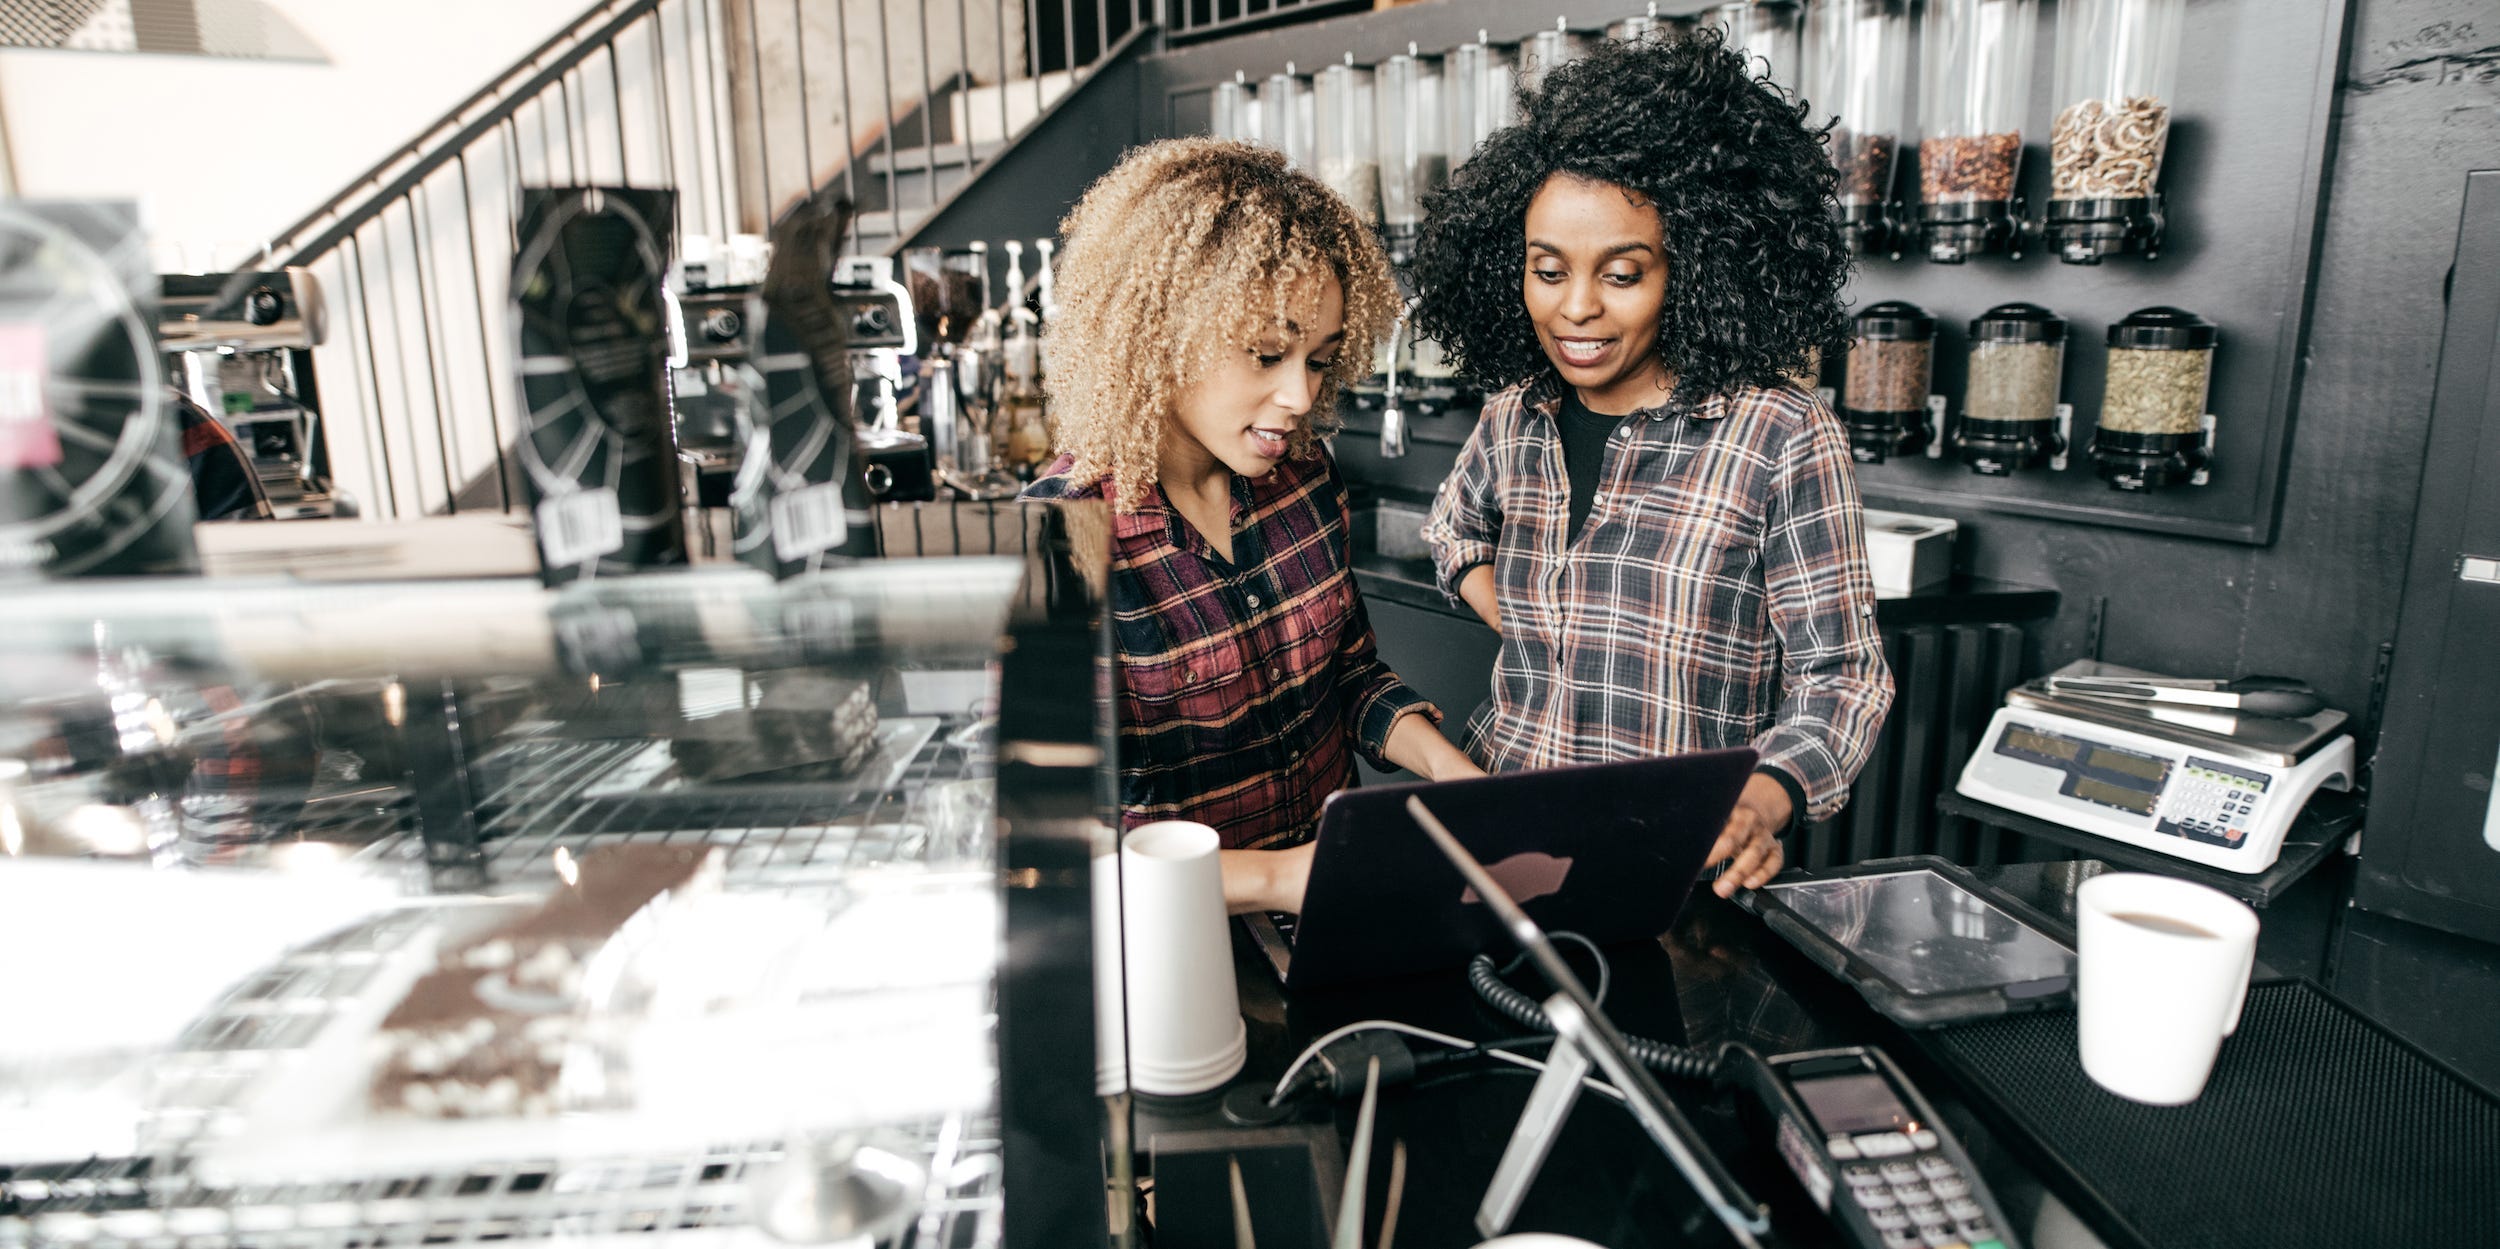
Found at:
[2277, 697]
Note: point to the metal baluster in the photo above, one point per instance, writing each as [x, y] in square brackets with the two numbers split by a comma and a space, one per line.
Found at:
[1102, 30]
[446, 437]
[963, 91]
[546, 143]
[485, 350]
[1006, 124]
[1067, 36]
[763, 131]
[1033, 52]
[668, 131]
[373, 367]
[928, 113]
[850, 112]
[512, 188]
[399, 346]
[885, 119]
[572, 153]
[616, 109]
[807, 113]
[712, 75]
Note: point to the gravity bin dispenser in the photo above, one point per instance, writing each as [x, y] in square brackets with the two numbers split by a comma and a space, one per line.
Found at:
[1858, 50]
[1974, 86]
[2117, 73]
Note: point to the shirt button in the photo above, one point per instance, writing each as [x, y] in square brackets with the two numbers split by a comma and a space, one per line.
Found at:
[1276, 673]
[1189, 674]
[1254, 600]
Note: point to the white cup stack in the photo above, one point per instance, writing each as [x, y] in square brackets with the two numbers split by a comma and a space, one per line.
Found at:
[2162, 969]
[1184, 1029]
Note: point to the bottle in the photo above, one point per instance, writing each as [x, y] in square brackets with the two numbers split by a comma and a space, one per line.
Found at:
[1031, 437]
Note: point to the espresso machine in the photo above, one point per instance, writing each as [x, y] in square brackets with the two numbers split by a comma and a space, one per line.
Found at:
[240, 345]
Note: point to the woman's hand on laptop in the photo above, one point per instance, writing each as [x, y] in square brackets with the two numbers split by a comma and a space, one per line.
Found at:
[1750, 844]
[1266, 880]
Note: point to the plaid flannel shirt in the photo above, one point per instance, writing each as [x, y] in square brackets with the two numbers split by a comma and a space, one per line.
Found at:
[1718, 595]
[1243, 684]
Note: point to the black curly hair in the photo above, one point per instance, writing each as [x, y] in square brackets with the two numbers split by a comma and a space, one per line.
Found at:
[1743, 189]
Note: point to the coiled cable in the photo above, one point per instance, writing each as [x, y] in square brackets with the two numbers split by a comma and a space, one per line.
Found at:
[1680, 1061]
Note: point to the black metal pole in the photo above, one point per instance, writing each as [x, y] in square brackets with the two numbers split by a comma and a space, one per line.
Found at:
[485, 349]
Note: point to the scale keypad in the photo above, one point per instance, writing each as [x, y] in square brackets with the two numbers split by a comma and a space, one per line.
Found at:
[1914, 1195]
[2211, 802]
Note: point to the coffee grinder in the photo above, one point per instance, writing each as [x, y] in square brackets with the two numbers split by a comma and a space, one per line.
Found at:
[878, 310]
[240, 346]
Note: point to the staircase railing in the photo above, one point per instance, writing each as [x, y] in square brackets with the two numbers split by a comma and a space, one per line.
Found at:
[741, 106]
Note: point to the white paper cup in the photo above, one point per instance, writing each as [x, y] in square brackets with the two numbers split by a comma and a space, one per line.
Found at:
[2161, 971]
[1110, 1040]
[1185, 1033]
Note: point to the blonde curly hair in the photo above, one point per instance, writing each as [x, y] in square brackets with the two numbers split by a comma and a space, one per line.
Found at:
[1191, 248]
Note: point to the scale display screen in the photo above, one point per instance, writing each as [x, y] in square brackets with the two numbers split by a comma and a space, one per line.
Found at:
[2132, 764]
[2118, 796]
[2024, 739]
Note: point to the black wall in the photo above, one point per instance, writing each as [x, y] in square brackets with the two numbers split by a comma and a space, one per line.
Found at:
[2418, 106]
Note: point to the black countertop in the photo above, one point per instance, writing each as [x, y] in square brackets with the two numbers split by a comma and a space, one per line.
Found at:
[1719, 976]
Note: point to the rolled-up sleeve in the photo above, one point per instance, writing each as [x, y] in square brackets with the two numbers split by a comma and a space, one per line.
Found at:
[1466, 525]
[1834, 685]
[1371, 692]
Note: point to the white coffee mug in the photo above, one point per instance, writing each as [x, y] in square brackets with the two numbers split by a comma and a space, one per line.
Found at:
[2161, 972]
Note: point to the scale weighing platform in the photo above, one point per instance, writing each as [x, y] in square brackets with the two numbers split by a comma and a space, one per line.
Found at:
[2213, 788]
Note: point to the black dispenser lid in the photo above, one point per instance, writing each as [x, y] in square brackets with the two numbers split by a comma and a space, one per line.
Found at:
[1895, 320]
[2018, 323]
[2163, 329]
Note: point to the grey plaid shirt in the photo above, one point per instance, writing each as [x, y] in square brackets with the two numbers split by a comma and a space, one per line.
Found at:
[1718, 595]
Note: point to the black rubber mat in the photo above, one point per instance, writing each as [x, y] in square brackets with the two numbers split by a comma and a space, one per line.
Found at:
[2315, 1129]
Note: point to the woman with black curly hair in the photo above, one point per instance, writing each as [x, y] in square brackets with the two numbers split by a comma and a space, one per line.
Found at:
[1663, 526]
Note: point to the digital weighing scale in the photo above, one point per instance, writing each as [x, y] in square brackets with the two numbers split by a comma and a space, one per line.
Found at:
[2209, 787]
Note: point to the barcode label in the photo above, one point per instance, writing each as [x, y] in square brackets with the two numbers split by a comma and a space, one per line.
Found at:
[808, 521]
[580, 527]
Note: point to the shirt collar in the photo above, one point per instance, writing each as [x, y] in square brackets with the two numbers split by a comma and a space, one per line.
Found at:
[1155, 512]
[1545, 391]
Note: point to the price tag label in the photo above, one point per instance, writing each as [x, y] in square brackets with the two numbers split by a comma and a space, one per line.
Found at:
[808, 521]
[580, 527]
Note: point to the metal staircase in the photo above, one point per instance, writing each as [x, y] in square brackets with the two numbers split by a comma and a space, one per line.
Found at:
[741, 106]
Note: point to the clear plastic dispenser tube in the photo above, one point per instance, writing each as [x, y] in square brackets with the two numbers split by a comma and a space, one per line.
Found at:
[1285, 118]
[1414, 156]
[1344, 141]
[1476, 82]
[1974, 87]
[2010, 392]
[1859, 51]
[2152, 428]
[1891, 371]
[1769, 30]
[2116, 77]
[1234, 112]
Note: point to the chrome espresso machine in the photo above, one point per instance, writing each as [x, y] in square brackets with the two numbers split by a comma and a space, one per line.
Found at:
[241, 346]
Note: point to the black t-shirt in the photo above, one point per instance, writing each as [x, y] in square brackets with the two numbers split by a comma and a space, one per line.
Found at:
[1584, 435]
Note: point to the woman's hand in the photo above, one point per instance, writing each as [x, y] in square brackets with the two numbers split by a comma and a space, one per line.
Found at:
[1266, 880]
[1750, 844]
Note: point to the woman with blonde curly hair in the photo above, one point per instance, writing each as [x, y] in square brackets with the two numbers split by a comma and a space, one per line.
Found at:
[1212, 301]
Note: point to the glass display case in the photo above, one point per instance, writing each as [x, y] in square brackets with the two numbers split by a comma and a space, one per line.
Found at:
[444, 911]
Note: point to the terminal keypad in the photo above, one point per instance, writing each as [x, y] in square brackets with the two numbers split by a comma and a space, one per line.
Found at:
[1913, 1194]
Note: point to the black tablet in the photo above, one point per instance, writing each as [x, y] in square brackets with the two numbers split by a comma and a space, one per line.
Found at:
[1921, 939]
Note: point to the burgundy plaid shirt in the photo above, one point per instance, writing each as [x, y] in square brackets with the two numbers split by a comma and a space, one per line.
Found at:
[1717, 596]
[1244, 685]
